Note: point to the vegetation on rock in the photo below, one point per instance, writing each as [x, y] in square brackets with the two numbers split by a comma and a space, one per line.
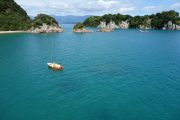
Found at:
[44, 19]
[78, 26]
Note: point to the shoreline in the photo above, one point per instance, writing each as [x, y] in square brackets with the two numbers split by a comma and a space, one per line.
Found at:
[11, 32]
[89, 31]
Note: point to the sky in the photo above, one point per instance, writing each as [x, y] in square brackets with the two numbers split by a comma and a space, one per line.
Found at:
[97, 7]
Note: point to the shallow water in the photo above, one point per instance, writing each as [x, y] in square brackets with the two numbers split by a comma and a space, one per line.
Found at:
[123, 75]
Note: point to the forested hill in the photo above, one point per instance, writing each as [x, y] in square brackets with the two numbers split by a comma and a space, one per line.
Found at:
[12, 16]
[156, 21]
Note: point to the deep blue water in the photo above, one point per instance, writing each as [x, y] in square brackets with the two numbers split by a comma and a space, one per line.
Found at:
[123, 75]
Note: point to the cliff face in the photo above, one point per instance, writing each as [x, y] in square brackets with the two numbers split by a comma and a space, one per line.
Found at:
[146, 25]
[171, 26]
[112, 25]
[124, 24]
[12, 16]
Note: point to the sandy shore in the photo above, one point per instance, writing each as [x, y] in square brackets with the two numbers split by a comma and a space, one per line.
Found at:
[9, 32]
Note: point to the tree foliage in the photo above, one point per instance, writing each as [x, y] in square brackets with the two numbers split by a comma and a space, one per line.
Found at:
[92, 21]
[159, 19]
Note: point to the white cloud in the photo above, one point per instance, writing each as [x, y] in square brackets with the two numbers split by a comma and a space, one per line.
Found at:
[82, 7]
[94, 7]
[175, 6]
[126, 9]
[151, 7]
[97, 5]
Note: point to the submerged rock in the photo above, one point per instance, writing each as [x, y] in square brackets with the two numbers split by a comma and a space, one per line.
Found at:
[105, 30]
[82, 31]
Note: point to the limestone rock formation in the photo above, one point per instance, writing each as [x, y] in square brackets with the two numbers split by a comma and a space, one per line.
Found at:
[47, 29]
[110, 25]
[103, 27]
[171, 26]
[124, 25]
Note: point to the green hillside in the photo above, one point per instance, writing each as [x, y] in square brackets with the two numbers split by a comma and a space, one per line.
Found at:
[12, 16]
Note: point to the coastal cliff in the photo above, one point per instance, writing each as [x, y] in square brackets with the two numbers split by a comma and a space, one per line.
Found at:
[167, 20]
[108, 27]
[171, 26]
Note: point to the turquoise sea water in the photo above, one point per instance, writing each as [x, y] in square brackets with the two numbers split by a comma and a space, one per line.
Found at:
[124, 75]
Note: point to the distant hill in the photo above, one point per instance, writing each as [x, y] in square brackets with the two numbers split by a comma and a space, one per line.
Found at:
[12, 16]
[70, 19]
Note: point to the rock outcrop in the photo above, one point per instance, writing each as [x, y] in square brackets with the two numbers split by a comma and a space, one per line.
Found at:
[110, 25]
[47, 29]
[171, 26]
[103, 27]
[124, 25]
[177, 27]
[45, 24]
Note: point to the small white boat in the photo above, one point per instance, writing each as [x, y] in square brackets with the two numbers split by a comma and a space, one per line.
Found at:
[55, 66]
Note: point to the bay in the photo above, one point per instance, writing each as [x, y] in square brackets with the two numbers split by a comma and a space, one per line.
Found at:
[123, 75]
